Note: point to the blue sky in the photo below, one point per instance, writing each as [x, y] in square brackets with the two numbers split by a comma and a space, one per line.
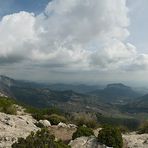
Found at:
[12, 6]
[90, 41]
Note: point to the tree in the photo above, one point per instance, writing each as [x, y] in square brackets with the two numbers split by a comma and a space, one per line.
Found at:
[111, 137]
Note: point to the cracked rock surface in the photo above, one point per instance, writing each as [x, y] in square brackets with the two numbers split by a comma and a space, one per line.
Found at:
[86, 142]
[14, 126]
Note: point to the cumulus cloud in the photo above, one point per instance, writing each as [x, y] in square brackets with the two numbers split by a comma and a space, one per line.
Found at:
[71, 35]
[16, 33]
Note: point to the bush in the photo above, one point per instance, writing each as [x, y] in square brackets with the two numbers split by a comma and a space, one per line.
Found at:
[56, 119]
[8, 106]
[89, 123]
[42, 114]
[111, 137]
[41, 139]
[40, 125]
[82, 131]
[123, 129]
[144, 128]
[88, 119]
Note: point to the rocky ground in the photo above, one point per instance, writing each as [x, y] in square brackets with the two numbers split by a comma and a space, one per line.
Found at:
[14, 126]
[133, 140]
[64, 133]
[86, 142]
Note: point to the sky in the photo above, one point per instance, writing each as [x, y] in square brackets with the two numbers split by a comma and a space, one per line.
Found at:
[74, 41]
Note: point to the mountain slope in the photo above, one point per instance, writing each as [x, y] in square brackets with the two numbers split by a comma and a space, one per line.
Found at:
[76, 88]
[116, 94]
[41, 95]
[140, 105]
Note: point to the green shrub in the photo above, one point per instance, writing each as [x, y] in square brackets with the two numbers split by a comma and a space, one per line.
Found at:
[52, 114]
[41, 139]
[144, 128]
[56, 119]
[7, 106]
[111, 137]
[42, 114]
[89, 123]
[123, 129]
[40, 125]
[82, 131]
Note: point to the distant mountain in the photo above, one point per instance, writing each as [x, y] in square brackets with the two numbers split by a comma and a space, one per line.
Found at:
[137, 106]
[76, 88]
[41, 95]
[64, 96]
[116, 93]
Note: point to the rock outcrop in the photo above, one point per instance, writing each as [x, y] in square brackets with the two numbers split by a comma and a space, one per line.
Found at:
[14, 126]
[133, 140]
[86, 142]
[45, 123]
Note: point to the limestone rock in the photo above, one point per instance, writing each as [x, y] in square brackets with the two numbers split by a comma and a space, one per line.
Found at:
[62, 124]
[134, 140]
[72, 126]
[86, 142]
[14, 126]
[46, 123]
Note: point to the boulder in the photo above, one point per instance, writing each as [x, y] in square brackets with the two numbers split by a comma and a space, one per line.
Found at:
[72, 126]
[45, 123]
[62, 125]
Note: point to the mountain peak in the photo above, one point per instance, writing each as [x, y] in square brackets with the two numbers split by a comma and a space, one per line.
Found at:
[117, 85]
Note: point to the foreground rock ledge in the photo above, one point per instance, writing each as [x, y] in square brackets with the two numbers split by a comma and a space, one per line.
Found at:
[14, 126]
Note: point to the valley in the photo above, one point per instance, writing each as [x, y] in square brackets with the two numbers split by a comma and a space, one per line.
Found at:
[112, 101]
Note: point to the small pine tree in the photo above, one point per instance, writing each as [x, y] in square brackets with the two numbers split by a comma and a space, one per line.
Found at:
[111, 137]
[82, 131]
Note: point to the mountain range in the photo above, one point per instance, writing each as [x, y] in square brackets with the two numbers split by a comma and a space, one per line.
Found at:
[116, 93]
[74, 97]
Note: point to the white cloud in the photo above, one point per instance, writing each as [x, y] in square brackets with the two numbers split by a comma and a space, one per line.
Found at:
[16, 33]
[71, 35]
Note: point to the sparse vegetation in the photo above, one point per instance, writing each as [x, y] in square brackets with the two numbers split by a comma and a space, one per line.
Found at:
[144, 128]
[41, 139]
[123, 129]
[129, 123]
[7, 106]
[111, 137]
[82, 131]
[52, 114]
[88, 119]
[40, 114]
[55, 119]
[38, 124]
